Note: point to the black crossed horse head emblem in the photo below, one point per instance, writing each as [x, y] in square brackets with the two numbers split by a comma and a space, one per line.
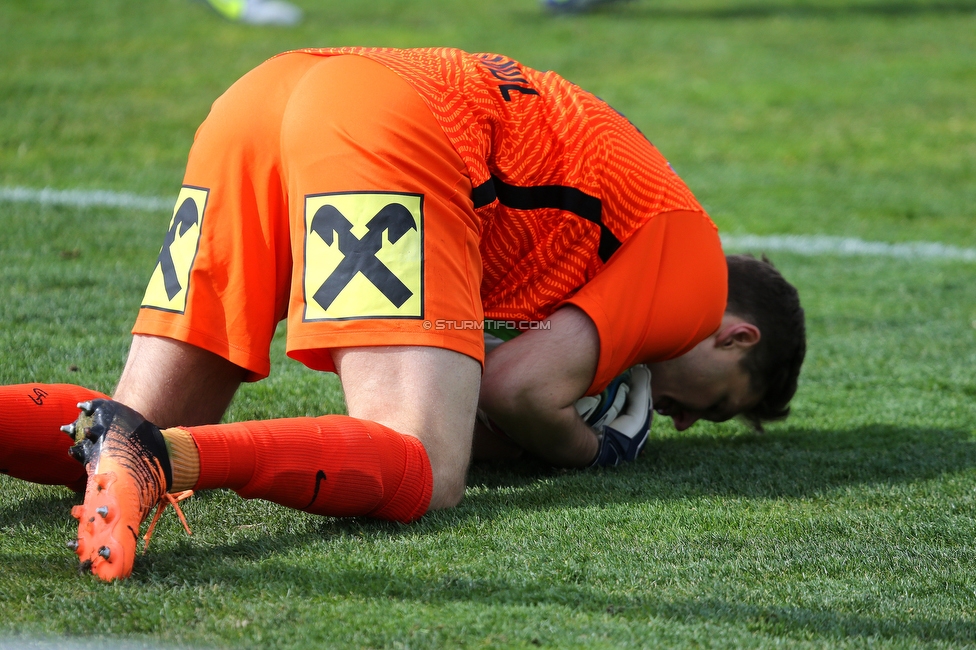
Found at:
[186, 217]
[360, 254]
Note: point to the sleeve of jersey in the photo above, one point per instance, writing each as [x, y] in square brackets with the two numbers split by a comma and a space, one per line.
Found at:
[662, 293]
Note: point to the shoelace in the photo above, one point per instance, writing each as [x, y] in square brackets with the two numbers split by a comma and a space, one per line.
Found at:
[167, 500]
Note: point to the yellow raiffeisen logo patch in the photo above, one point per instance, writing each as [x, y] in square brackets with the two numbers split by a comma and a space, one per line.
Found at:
[364, 256]
[169, 284]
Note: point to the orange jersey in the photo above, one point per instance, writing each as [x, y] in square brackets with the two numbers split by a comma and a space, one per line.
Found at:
[560, 180]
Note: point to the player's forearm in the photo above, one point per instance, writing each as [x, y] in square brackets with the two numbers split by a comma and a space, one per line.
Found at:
[539, 418]
[531, 384]
[557, 436]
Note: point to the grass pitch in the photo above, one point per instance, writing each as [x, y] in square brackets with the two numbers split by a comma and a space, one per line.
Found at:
[849, 525]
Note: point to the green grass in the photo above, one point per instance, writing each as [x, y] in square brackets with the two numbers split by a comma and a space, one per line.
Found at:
[850, 525]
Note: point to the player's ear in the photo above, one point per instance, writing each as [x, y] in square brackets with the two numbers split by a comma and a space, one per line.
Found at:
[740, 335]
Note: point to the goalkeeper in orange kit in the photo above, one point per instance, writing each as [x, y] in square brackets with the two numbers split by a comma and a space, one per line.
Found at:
[387, 204]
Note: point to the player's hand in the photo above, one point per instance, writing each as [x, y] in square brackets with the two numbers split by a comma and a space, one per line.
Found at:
[621, 415]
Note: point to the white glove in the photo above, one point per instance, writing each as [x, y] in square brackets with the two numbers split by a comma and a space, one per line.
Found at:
[622, 415]
[598, 410]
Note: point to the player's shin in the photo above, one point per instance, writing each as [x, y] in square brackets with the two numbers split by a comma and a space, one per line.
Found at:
[333, 465]
[32, 447]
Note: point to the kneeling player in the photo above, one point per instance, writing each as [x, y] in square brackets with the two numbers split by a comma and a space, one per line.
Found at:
[386, 203]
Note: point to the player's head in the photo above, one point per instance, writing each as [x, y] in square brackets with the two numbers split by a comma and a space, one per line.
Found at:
[749, 366]
[759, 294]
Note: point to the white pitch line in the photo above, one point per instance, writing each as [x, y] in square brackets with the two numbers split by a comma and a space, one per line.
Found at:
[85, 198]
[827, 245]
[800, 244]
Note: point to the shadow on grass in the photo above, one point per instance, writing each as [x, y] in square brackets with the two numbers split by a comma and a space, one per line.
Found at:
[746, 10]
[53, 508]
[790, 463]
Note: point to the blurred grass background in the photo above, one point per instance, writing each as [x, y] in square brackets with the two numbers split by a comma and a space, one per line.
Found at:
[784, 116]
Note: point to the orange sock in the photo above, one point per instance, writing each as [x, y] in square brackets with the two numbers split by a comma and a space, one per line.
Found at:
[333, 465]
[32, 446]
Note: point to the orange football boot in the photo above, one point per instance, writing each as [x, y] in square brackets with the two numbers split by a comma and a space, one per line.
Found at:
[128, 473]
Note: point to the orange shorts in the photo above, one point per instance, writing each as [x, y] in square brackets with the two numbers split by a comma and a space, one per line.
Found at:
[320, 190]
